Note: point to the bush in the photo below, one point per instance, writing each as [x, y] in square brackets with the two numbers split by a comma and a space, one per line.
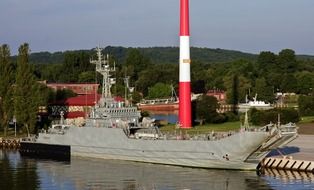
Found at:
[230, 116]
[219, 118]
[205, 109]
[145, 113]
[306, 105]
[263, 117]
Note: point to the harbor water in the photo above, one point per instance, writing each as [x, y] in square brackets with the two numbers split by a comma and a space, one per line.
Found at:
[169, 116]
[17, 172]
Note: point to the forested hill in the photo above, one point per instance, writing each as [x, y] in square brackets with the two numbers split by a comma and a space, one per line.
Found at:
[159, 55]
[204, 55]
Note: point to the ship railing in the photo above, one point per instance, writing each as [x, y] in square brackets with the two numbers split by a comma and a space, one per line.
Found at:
[57, 129]
[155, 101]
[212, 136]
[289, 128]
[31, 138]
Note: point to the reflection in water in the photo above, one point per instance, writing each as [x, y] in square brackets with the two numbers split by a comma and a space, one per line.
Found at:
[287, 179]
[82, 173]
[289, 176]
[109, 174]
[17, 173]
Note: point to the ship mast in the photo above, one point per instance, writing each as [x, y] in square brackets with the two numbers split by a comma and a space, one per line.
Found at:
[103, 67]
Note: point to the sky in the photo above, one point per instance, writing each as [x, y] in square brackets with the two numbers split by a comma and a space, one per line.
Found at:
[245, 25]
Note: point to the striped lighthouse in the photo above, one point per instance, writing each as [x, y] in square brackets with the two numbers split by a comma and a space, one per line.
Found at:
[184, 68]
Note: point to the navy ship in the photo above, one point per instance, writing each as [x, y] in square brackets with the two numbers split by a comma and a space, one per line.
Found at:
[115, 130]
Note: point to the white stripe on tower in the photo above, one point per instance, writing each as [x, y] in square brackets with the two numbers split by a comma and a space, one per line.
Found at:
[184, 71]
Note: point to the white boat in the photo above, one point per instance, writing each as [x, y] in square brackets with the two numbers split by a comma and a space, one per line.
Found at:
[258, 104]
[114, 131]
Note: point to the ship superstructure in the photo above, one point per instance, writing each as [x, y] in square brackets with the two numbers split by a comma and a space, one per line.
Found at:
[108, 112]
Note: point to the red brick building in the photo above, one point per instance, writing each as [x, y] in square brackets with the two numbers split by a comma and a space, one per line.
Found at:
[219, 94]
[75, 109]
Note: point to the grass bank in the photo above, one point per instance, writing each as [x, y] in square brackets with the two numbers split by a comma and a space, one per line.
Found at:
[307, 119]
[228, 126]
[11, 134]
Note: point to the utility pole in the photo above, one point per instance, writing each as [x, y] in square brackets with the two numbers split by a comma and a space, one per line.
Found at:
[14, 121]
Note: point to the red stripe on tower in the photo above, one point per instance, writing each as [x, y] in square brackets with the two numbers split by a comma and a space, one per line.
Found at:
[184, 73]
[184, 18]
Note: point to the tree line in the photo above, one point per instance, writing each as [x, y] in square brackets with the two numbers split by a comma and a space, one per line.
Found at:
[151, 70]
[264, 74]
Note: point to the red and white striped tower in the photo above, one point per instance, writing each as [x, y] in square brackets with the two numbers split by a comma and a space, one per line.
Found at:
[184, 73]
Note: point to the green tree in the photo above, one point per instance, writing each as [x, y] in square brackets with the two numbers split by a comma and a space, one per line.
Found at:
[306, 105]
[159, 90]
[205, 109]
[26, 94]
[74, 64]
[237, 88]
[267, 62]
[305, 82]
[264, 91]
[6, 87]
[87, 76]
[263, 117]
[235, 92]
[287, 61]
[275, 80]
[289, 83]
[135, 63]
[166, 73]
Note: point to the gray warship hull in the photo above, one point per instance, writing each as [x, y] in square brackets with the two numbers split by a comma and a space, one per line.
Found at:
[231, 152]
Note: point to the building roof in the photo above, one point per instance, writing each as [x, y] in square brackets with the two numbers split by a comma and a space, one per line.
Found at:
[75, 114]
[78, 88]
[215, 92]
[83, 100]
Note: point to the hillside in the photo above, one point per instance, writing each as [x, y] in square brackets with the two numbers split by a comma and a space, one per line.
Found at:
[157, 55]
[205, 55]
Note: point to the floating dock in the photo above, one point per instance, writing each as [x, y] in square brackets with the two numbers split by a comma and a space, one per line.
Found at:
[298, 156]
[287, 163]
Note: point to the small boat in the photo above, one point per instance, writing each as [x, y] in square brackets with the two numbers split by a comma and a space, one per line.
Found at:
[160, 104]
[164, 104]
[260, 105]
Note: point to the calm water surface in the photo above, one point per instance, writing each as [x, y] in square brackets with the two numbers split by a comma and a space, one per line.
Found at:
[18, 172]
[170, 117]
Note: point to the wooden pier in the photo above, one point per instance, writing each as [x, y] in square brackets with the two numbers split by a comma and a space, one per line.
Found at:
[298, 155]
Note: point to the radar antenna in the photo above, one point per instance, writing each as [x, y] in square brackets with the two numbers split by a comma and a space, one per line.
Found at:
[103, 67]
